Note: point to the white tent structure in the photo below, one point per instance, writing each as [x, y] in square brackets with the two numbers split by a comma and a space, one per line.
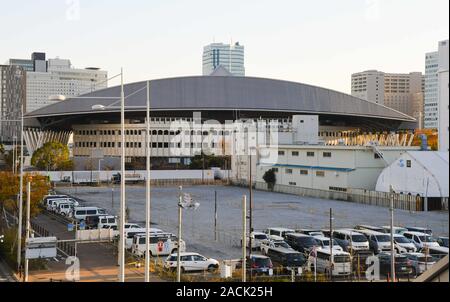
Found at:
[419, 173]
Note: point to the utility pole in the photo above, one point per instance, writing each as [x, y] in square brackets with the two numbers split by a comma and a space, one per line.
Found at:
[180, 200]
[122, 187]
[331, 244]
[147, 204]
[244, 238]
[215, 215]
[391, 209]
[19, 229]
[250, 183]
[28, 226]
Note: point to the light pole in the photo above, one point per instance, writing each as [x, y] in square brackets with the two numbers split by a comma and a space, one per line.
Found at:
[28, 226]
[391, 209]
[244, 238]
[147, 204]
[122, 185]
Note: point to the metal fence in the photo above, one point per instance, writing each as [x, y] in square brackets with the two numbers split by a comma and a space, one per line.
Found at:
[382, 199]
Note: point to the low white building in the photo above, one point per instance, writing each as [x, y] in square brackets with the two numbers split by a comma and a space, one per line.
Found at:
[330, 168]
[423, 173]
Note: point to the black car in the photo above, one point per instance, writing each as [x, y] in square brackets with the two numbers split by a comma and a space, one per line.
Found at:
[286, 258]
[259, 265]
[301, 242]
[403, 266]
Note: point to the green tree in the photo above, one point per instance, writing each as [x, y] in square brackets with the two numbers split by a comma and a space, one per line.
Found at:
[53, 156]
[270, 178]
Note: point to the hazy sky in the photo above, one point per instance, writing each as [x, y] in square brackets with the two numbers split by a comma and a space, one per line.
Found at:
[318, 42]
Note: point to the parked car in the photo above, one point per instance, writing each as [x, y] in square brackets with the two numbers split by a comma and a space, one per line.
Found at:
[256, 239]
[131, 232]
[438, 252]
[421, 240]
[310, 232]
[160, 244]
[322, 260]
[397, 230]
[81, 213]
[378, 242]
[52, 203]
[259, 265]
[191, 262]
[420, 230]
[403, 244]
[443, 241]
[65, 209]
[281, 232]
[420, 263]
[351, 240]
[325, 242]
[370, 228]
[286, 257]
[269, 244]
[107, 220]
[301, 242]
[403, 266]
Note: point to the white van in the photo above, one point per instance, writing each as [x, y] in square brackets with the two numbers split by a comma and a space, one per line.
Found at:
[421, 240]
[350, 239]
[280, 232]
[131, 232]
[106, 220]
[65, 209]
[378, 242]
[80, 213]
[162, 244]
[342, 262]
[52, 203]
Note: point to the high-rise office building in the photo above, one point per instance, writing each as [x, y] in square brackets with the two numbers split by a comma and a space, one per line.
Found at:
[12, 96]
[229, 57]
[443, 97]
[433, 62]
[399, 91]
[52, 80]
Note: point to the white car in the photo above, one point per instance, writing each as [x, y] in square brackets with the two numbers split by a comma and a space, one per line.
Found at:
[325, 243]
[270, 244]
[257, 238]
[190, 262]
[421, 240]
[403, 244]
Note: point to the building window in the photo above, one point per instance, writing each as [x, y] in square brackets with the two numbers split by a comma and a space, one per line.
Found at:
[281, 153]
[303, 172]
[377, 156]
[338, 189]
[326, 154]
[408, 164]
[320, 173]
[295, 153]
[310, 154]
[292, 183]
[275, 170]
[289, 171]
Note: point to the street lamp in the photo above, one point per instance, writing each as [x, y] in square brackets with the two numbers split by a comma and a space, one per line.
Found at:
[185, 202]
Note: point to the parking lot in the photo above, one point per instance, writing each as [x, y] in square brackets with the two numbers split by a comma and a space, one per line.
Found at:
[270, 210]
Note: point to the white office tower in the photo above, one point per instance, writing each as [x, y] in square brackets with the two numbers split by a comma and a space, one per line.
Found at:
[229, 57]
[60, 81]
[443, 97]
[400, 91]
[433, 60]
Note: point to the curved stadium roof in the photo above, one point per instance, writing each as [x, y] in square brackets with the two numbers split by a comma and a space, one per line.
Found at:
[202, 93]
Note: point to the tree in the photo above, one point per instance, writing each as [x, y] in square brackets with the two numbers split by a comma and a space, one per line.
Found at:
[9, 190]
[53, 156]
[270, 178]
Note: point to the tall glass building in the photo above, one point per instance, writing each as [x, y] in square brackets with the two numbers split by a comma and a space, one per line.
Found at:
[230, 57]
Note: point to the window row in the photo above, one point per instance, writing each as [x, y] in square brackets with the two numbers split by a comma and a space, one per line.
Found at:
[302, 172]
[308, 154]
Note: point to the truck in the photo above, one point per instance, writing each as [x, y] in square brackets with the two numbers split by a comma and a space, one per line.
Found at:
[129, 178]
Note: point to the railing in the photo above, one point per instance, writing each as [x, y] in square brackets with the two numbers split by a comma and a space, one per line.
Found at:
[382, 199]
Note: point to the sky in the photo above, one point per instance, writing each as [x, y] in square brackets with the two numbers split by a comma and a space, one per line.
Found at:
[320, 42]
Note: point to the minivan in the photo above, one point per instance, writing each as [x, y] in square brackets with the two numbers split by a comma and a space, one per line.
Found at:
[131, 232]
[286, 258]
[421, 240]
[301, 242]
[378, 242]
[280, 232]
[81, 213]
[351, 240]
[323, 260]
[161, 244]
[420, 230]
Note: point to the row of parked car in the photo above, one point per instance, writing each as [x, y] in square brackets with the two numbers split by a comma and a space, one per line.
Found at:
[161, 243]
[416, 249]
